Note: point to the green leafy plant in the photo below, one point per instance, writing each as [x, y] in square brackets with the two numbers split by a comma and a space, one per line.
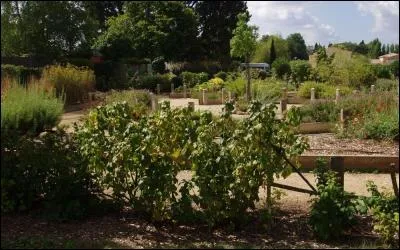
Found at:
[332, 202]
[320, 111]
[192, 79]
[158, 65]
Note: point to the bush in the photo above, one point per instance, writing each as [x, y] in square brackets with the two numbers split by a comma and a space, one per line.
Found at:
[322, 90]
[300, 70]
[29, 110]
[223, 75]
[72, 81]
[394, 68]
[158, 65]
[320, 111]
[216, 83]
[78, 62]
[269, 90]
[20, 73]
[139, 101]
[381, 125]
[150, 82]
[281, 67]
[47, 173]
[382, 71]
[262, 74]
[385, 212]
[210, 67]
[236, 86]
[192, 79]
[386, 85]
[332, 202]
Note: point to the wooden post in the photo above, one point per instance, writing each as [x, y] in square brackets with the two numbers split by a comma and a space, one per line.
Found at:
[283, 105]
[269, 197]
[341, 119]
[172, 88]
[284, 93]
[191, 106]
[337, 96]
[372, 89]
[222, 96]
[204, 96]
[312, 94]
[337, 165]
[158, 89]
[154, 102]
[184, 91]
[393, 177]
[230, 96]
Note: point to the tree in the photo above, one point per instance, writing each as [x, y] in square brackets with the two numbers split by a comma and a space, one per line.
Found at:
[102, 10]
[272, 53]
[374, 48]
[217, 20]
[281, 67]
[243, 44]
[361, 48]
[55, 28]
[297, 47]
[149, 30]
[263, 49]
[396, 48]
[392, 48]
[300, 70]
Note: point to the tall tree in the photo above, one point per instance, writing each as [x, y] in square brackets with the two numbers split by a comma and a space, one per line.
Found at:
[396, 48]
[297, 47]
[217, 21]
[263, 49]
[392, 48]
[150, 29]
[272, 53]
[243, 44]
[102, 10]
[374, 48]
[361, 48]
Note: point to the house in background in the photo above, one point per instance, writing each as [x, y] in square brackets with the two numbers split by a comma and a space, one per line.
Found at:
[386, 59]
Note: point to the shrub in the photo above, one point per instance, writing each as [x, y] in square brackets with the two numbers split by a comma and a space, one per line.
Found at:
[386, 85]
[216, 83]
[210, 67]
[72, 81]
[262, 74]
[394, 68]
[381, 125]
[78, 62]
[382, 71]
[269, 90]
[320, 111]
[20, 73]
[139, 101]
[47, 173]
[332, 202]
[237, 86]
[223, 75]
[322, 90]
[385, 212]
[281, 67]
[192, 79]
[29, 110]
[150, 82]
[300, 70]
[158, 65]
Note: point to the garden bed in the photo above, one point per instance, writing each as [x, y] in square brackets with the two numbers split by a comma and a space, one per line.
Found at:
[315, 127]
[179, 95]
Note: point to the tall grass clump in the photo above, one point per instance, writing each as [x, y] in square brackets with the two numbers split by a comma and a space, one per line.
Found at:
[75, 82]
[28, 110]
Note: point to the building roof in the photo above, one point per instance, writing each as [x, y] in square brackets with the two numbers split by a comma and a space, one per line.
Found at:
[389, 55]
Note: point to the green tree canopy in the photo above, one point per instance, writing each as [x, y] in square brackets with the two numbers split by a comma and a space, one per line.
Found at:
[263, 49]
[297, 47]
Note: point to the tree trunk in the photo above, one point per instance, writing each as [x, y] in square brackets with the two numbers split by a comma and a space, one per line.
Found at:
[248, 93]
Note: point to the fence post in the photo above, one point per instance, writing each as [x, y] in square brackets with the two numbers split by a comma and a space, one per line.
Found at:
[154, 102]
[191, 106]
[341, 119]
[184, 90]
[312, 94]
[337, 165]
[230, 96]
[203, 91]
[172, 88]
[372, 89]
[158, 88]
[337, 96]
[393, 177]
[284, 100]
[222, 96]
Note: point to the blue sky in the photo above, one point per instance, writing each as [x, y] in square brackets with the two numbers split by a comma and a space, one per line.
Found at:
[328, 21]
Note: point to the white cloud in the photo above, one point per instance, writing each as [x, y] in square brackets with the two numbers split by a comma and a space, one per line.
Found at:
[290, 17]
[386, 17]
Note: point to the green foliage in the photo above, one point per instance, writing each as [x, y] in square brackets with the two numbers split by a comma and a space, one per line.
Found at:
[262, 74]
[21, 73]
[382, 71]
[70, 80]
[300, 70]
[29, 110]
[236, 86]
[150, 82]
[243, 42]
[139, 159]
[192, 79]
[332, 202]
[48, 173]
[78, 62]
[320, 111]
[263, 49]
[381, 125]
[385, 211]
[223, 75]
[281, 67]
[230, 171]
[158, 65]
[269, 90]
[322, 90]
[138, 100]
[386, 85]
[297, 47]
[394, 68]
[211, 67]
